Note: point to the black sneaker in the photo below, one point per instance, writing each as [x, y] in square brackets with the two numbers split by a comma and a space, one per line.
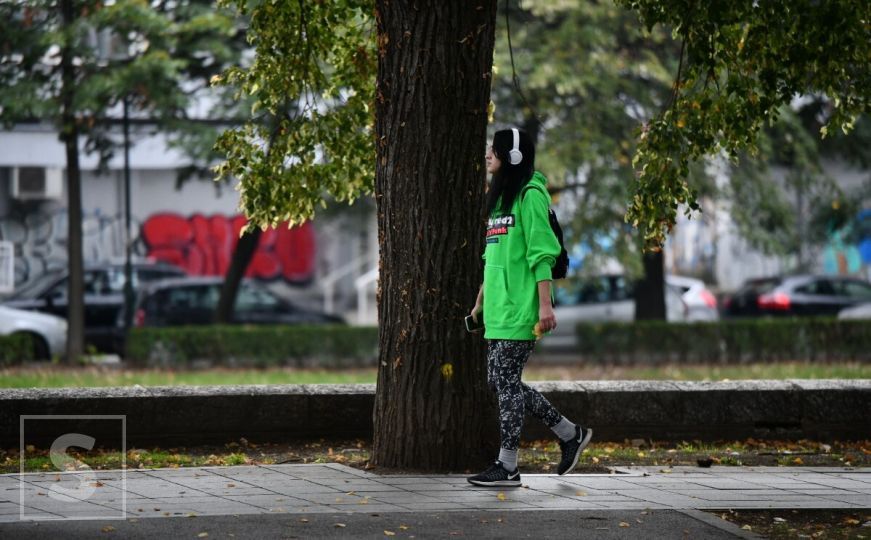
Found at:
[496, 475]
[572, 449]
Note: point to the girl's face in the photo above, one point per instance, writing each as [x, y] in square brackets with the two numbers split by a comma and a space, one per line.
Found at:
[493, 162]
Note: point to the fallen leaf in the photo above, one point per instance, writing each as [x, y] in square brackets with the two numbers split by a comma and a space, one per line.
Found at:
[747, 528]
[624, 524]
[595, 459]
[779, 520]
[501, 496]
[303, 520]
[203, 535]
[108, 528]
[581, 493]
[389, 533]
[231, 485]
[340, 525]
[404, 527]
[798, 461]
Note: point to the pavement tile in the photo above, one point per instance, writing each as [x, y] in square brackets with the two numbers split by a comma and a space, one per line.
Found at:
[322, 488]
[370, 508]
[404, 480]
[860, 499]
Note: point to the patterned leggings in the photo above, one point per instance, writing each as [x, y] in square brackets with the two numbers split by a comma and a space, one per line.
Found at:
[505, 361]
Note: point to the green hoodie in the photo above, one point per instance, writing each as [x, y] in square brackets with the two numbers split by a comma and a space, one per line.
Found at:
[521, 249]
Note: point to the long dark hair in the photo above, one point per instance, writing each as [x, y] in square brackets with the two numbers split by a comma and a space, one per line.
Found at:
[509, 179]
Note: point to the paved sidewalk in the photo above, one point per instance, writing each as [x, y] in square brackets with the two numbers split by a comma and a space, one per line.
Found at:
[331, 488]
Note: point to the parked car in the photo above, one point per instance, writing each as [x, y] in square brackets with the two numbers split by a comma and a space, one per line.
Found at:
[193, 301]
[700, 302]
[48, 333]
[603, 298]
[859, 311]
[798, 295]
[104, 297]
[745, 301]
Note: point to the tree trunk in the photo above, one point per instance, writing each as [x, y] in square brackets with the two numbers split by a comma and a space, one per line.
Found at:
[70, 137]
[650, 291]
[433, 409]
[242, 255]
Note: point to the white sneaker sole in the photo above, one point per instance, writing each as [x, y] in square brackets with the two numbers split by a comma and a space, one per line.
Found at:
[583, 445]
[499, 483]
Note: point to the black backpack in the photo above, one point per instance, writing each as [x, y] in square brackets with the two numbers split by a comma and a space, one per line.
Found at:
[561, 266]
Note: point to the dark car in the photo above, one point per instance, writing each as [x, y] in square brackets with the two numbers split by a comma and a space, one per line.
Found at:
[193, 300]
[104, 297]
[800, 295]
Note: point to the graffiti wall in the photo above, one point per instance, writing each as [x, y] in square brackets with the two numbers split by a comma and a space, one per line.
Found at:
[203, 245]
[848, 250]
[200, 244]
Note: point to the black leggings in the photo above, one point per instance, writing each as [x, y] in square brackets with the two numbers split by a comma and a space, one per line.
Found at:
[505, 361]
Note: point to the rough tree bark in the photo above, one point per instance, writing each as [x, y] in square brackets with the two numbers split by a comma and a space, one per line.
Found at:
[650, 291]
[433, 409]
[70, 138]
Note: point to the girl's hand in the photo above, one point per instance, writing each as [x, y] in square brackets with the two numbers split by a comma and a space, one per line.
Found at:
[546, 319]
[475, 311]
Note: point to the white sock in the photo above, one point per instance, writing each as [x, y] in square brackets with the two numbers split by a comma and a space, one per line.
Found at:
[508, 459]
[565, 430]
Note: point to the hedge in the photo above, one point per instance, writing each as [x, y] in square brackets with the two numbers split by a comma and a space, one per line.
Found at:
[646, 343]
[254, 346]
[15, 348]
[730, 341]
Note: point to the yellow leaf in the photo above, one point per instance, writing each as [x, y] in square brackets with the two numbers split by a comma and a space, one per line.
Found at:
[108, 528]
[624, 524]
[798, 461]
[581, 493]
[389, 533]
[747, 528]
[203, 535]
[595, 459]
[501, 496]
[404, 527]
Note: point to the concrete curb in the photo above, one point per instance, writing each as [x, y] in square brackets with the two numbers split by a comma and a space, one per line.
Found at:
[616, 410]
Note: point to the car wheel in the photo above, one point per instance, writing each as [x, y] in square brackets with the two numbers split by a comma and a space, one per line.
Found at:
[40, 347]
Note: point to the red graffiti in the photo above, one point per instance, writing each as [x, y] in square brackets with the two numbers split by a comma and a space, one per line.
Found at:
[203, 245]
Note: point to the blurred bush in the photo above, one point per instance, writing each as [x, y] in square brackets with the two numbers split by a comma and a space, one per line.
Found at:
[15, 348]
[253, 346]
[731, 341]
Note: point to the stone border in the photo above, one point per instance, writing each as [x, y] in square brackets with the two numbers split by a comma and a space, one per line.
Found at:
[616, 410]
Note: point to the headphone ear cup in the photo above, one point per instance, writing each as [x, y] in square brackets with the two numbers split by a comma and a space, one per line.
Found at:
[516, 156]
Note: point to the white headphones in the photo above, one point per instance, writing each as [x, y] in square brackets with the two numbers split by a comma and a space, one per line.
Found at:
[515, 154]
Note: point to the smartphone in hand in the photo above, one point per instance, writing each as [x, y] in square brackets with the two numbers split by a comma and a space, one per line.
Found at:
[473, 326]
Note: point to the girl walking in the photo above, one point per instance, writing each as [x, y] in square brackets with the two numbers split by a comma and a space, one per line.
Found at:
[516, 301]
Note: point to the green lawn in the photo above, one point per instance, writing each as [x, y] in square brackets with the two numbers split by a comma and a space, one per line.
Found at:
[54, 376]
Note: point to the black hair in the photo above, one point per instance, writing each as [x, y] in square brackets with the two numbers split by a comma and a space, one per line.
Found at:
[510, 179]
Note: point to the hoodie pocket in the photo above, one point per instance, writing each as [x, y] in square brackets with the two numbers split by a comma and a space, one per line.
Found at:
[499, 309]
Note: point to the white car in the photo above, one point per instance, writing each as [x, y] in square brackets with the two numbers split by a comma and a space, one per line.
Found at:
[859, 311]
[701, 303]
[48, 332]
[603, 298]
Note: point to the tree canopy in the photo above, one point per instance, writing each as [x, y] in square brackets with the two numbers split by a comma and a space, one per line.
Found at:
[741, 62]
